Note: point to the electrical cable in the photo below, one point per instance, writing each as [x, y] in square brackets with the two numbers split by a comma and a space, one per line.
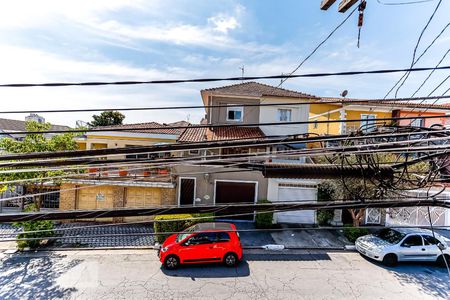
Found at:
[307, 75]
[417, 45]
[318, 46]
[404, 3]
[222, 125]
[323, 100]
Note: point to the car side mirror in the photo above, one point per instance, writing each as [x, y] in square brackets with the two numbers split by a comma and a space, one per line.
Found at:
[406, 245]
[441, 246]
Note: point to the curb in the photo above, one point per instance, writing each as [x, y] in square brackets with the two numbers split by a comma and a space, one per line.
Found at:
[348, 248]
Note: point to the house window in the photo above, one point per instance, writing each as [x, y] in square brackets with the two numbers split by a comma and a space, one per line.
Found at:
[284, 115]
[235, 114]
[194, 152]
[419, 122]
[368, 123]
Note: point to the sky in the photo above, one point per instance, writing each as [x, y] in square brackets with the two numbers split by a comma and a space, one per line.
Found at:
[109, 40]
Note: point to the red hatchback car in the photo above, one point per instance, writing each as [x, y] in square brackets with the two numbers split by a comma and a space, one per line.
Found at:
[202, 243]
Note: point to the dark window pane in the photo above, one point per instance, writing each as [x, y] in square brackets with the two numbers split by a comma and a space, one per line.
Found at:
[223, 237]
[413, 240]
[429, 240]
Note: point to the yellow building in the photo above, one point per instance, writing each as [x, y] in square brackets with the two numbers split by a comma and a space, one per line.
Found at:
[345, 111]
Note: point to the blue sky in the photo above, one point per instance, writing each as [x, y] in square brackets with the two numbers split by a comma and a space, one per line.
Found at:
[80, 40]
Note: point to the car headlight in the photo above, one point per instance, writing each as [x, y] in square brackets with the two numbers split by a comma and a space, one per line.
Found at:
[164, 249]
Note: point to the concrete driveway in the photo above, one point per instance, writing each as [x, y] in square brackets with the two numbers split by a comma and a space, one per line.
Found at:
[136, 274]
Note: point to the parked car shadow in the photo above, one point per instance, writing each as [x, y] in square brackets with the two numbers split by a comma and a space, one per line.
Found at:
[427, 276]
[209, 271]
[242, 269]
[31, 277]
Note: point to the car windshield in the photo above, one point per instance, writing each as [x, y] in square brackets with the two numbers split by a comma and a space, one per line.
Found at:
[389, 235]
[181, 236]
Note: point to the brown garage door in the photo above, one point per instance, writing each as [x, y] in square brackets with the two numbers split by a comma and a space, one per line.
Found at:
[235, 192]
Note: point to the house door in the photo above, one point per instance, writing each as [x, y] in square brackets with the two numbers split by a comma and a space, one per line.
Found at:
[187, 191]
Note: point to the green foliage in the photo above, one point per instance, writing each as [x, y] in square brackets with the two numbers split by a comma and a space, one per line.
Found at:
[264, 220]
[183, 222]
[325, 192]
[107, 118]
[352, 233]
[33, 226]
[36, 143]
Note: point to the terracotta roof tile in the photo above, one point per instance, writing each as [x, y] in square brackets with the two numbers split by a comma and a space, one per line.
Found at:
[387, 103]
[202, 134]
[151, 127]
[256, 89]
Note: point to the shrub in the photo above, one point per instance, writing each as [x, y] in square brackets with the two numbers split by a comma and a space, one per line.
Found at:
[264, 220]
[46, 226]
[163, 223]
[325, 192]
[352, 233]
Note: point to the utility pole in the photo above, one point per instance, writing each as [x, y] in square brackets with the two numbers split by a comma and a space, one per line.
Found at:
[344, 5]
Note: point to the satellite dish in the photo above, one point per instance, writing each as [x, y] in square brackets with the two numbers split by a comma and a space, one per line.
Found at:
[344, 93]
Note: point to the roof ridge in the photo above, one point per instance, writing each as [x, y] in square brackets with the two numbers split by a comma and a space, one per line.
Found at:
[257, 89]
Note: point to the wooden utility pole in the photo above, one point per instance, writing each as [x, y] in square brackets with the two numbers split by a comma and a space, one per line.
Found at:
[344, 5]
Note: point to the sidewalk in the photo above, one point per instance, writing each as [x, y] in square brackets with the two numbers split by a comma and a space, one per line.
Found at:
[75, 237]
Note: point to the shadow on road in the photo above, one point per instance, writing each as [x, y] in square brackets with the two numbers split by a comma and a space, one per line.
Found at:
[242, 269]
[427, 276]
[286, 257]
[25, 277]
[209, 271]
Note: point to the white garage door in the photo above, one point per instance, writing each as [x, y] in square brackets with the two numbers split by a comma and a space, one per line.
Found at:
[296, 193]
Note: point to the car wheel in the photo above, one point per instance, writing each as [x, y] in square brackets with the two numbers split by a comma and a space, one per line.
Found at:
[390, 260]
[171, 262]
[230, 260]
[441, 260]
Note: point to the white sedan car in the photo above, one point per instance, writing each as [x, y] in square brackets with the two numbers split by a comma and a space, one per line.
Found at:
[391, 245]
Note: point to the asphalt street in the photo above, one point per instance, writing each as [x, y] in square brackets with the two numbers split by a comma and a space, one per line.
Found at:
[137, 274]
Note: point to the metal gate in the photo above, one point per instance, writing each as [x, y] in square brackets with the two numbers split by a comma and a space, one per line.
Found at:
[416, 216]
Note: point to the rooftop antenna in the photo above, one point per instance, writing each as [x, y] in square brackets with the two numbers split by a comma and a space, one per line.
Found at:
[282, 80]
[243, 72]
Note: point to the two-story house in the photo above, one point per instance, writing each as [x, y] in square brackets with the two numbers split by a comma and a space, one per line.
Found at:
[244, 104]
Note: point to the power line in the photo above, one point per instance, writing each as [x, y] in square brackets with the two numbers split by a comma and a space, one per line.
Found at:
[420, 56]
[431, 73]
[224, 209]
[172, 81]
[417, 45]
[100, 129]
[207, 145]
[404, 3]
[318, 46]
[318, 101]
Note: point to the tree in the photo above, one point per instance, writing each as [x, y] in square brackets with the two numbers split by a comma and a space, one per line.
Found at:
[36, 143]
[107, 118]
[374, 187]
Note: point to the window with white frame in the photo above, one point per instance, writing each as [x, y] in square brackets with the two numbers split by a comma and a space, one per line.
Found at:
[368, 122]
[284, 115]
[419, 122]
[235, 114]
